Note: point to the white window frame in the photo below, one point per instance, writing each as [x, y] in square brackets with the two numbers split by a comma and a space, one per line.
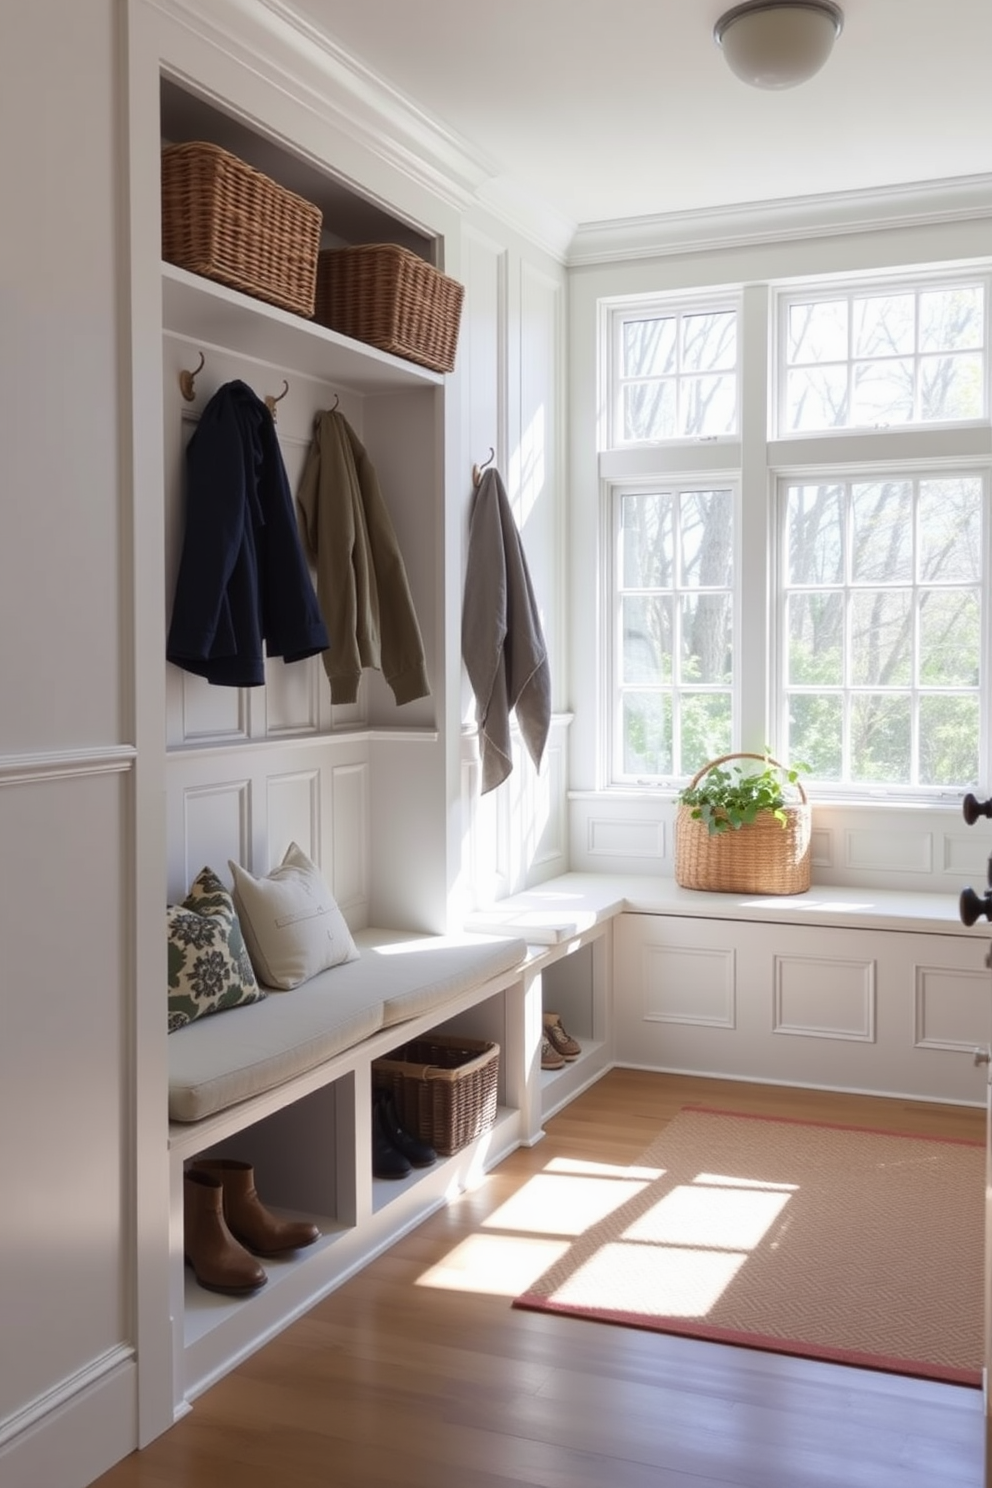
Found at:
[854, 287]
[758, 462]
[656, 307]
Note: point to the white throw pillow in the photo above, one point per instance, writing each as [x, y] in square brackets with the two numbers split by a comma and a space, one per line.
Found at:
[290, 921]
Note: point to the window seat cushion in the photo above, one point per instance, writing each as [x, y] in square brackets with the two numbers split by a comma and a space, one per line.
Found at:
[217, 1062]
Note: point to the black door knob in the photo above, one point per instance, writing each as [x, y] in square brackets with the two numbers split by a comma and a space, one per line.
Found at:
[972, 906]
[972, 809]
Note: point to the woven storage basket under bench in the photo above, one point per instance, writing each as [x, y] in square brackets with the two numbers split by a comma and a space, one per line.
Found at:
[227, 221]
[390, 298]
[444, 1088]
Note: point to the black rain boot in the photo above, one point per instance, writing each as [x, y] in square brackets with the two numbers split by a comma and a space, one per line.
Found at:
[419, 1154]
[387, 1160]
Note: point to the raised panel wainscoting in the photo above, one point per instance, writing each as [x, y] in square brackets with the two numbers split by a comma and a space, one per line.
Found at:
[872, 991]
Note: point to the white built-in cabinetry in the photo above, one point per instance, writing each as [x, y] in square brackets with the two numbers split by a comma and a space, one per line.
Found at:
[363, 789]
[249, 770]
[883, 1008]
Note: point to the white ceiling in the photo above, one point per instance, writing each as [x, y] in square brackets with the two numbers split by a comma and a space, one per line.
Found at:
[605, 110]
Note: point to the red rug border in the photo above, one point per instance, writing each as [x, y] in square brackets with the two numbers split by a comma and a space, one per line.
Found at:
[942, 1374]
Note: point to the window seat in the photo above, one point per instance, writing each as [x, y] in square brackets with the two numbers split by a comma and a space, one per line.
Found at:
[562, 907]
[882, 992]
[228, 1058]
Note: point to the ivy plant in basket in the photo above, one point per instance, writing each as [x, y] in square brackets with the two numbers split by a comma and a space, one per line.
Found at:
[744, 827]
[725, 799]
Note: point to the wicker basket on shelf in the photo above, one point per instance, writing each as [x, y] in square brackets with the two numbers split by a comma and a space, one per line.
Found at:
[227, 221]
[390, 298]
[765, 856]
[444, 1088]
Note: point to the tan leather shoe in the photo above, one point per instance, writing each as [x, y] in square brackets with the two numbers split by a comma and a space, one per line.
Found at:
[550, 1058]
[247, 1217]
[219, 1263]
[562, 1042]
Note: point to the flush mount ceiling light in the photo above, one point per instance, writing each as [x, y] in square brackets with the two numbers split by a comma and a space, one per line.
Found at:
[778, 43]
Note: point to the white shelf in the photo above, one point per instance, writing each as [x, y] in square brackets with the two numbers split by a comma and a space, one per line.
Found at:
[206, 1310]
[220, 1330]
[560, 1087]
[213, 315]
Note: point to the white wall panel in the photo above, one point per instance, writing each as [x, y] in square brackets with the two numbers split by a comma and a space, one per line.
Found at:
[824, 997]
[291, 698]
[547, 849]
[821, 849]
[348, 862]
[685, 984]
[292, 814]
[208, 715]
[65, 1019]
[952, 1008]
[517, 834]
[889, 852]
[614, 836]
[216, 827]
[62, 650]
[534, 471]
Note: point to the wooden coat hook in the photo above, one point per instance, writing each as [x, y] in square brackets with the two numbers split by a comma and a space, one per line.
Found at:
[187, 379]
[478, 469]
[271, 399]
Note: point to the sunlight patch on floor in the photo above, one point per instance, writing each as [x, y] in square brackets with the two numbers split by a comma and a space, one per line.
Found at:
[562, 1204]
[689, 1284]
[495, 1265]
[703, 1214]
[601, 1170]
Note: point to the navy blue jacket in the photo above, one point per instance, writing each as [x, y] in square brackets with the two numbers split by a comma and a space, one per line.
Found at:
[243, 578]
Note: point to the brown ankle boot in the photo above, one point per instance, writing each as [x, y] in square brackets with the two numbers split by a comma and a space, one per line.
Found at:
[219, 1263]
[247, 1217]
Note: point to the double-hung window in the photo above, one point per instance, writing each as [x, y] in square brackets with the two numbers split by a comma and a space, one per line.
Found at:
[858, 643]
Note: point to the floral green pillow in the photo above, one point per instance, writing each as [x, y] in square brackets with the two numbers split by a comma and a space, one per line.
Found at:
[209, 967]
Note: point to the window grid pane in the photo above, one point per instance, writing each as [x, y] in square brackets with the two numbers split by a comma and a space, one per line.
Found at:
[674, 633]
[676, 375]
[888, 358]
[882, 627]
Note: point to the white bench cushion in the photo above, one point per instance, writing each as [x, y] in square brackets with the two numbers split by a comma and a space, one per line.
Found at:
[228, 1057]
[417, 974]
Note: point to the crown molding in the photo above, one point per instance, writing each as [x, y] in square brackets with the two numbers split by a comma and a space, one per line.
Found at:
[917, 203]
[270, 39]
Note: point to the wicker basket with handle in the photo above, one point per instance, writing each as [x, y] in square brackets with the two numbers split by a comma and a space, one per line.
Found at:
[444, 1087]
[388, 297]
[761, 857]
[225, 220]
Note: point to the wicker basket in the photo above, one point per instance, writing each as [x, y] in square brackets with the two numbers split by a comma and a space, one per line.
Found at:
[444, 1088]
[225, 220]
[386, 296]
[761, 857]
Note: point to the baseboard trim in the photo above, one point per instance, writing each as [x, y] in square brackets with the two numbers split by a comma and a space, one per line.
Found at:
[79, 1438]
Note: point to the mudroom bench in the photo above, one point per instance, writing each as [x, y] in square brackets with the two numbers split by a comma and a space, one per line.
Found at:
[286, 1084]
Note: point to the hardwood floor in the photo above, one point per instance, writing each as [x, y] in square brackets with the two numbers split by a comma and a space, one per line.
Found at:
[418, 1374]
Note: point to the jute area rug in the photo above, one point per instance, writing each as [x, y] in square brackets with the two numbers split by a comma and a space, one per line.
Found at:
[859, 1247]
